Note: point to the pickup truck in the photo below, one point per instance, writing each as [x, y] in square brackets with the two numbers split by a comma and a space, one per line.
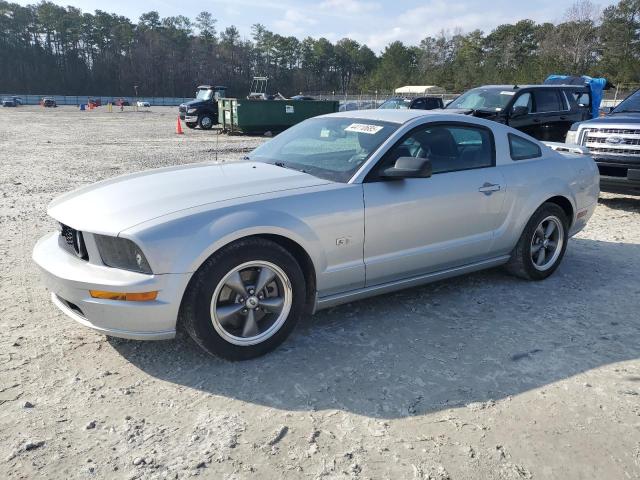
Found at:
[202, 111]
[546, 112]
[614, 144]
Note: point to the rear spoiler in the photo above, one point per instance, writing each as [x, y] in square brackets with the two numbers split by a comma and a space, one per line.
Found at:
[567, 147]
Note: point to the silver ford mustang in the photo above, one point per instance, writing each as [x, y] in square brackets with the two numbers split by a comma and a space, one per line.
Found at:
[337, 208]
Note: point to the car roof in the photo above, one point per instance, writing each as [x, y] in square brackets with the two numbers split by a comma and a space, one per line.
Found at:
[398, 116]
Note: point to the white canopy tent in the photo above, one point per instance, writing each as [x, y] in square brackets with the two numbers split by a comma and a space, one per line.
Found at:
[420, 90]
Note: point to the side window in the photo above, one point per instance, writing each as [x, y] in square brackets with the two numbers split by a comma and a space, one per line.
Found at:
[523, 100]
[571, 98]
[432, 103]
[449, 147]
[419, 104]
[547, 100]
[523, 149]
[582, 99]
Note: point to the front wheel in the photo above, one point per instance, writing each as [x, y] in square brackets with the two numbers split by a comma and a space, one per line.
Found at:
[245, 299]
[542, 244]
[205, 121]
[191, 124]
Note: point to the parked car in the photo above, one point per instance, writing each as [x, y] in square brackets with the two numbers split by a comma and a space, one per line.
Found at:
[545, 112]
[9, 102]
[419, 103]
[96, 102]
[238, 252]
[302, 97]
[48, 102]
[203, 110]
[143, 104]
[614, 143]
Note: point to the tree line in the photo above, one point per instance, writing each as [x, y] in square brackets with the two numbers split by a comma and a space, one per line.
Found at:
[46, 48]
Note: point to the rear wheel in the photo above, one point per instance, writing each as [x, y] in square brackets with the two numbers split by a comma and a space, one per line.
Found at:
[245, 300]
[542, 244]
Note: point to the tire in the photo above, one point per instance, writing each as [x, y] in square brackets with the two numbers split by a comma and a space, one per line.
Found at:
[191, 124]
[537, 255]
[228, 324]
[205, 121]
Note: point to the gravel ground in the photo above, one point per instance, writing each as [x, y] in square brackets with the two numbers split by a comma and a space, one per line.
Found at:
[484, 376]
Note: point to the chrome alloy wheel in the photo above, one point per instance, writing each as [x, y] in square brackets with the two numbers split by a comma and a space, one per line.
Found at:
[547, 243]
[251, 303]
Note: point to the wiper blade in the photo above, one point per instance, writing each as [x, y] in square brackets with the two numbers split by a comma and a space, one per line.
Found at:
[284, 165]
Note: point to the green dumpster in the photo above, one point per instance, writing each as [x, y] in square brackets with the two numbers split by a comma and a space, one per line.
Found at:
[259, 116]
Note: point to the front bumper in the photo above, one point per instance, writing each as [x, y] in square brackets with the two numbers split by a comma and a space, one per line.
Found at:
[69, 279]
[619, 177]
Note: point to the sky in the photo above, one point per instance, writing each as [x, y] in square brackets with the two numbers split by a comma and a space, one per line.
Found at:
[373, 22]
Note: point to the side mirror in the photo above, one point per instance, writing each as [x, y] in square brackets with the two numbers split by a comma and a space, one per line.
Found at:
[519, 111]
[408, 167]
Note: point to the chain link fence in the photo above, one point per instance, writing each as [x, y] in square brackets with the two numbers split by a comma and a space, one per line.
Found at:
[84, 99]
[368, 100]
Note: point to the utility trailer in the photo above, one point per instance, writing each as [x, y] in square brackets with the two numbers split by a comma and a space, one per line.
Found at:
[260, 116]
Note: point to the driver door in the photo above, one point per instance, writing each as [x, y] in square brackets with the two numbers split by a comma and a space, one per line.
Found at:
[422, 225]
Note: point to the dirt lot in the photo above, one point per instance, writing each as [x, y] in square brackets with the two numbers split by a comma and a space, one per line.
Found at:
[484, 376]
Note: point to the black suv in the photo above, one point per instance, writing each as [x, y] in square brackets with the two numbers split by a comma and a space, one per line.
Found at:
[418, 103]
[614, 143]
[545, 112]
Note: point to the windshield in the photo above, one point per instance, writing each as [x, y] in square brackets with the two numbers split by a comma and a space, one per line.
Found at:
[396, 103]
[332, 148]
[483, 99]
[204, 94]
[629, 104]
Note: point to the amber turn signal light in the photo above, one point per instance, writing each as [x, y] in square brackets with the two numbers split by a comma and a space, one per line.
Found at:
[129, 297]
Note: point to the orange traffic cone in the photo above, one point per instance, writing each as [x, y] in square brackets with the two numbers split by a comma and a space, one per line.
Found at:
[179, 127]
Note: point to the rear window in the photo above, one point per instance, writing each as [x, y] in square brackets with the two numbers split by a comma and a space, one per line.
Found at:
[523, 149]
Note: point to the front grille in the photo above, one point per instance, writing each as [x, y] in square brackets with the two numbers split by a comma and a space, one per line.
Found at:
[615, 131]
[615, 151]
[613, 142]
[73, 241]
[623, 141]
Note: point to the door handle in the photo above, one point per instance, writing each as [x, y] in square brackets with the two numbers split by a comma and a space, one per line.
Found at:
[489, 188]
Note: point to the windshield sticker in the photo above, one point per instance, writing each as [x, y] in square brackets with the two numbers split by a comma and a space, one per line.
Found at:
[325, 133]
[363, 128]
[506, 92]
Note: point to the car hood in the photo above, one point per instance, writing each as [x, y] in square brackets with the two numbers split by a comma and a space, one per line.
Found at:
[113, 205]
[614, 118]
[476, 113]
[194, 103]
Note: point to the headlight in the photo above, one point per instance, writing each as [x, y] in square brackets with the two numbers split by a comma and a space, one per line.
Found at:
[571, 136]
[192, 110]
[122, 253]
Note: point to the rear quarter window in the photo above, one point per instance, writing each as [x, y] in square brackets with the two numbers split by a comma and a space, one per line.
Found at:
[523, 149]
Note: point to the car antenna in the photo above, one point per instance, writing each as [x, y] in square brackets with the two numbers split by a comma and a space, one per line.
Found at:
[217, 143]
